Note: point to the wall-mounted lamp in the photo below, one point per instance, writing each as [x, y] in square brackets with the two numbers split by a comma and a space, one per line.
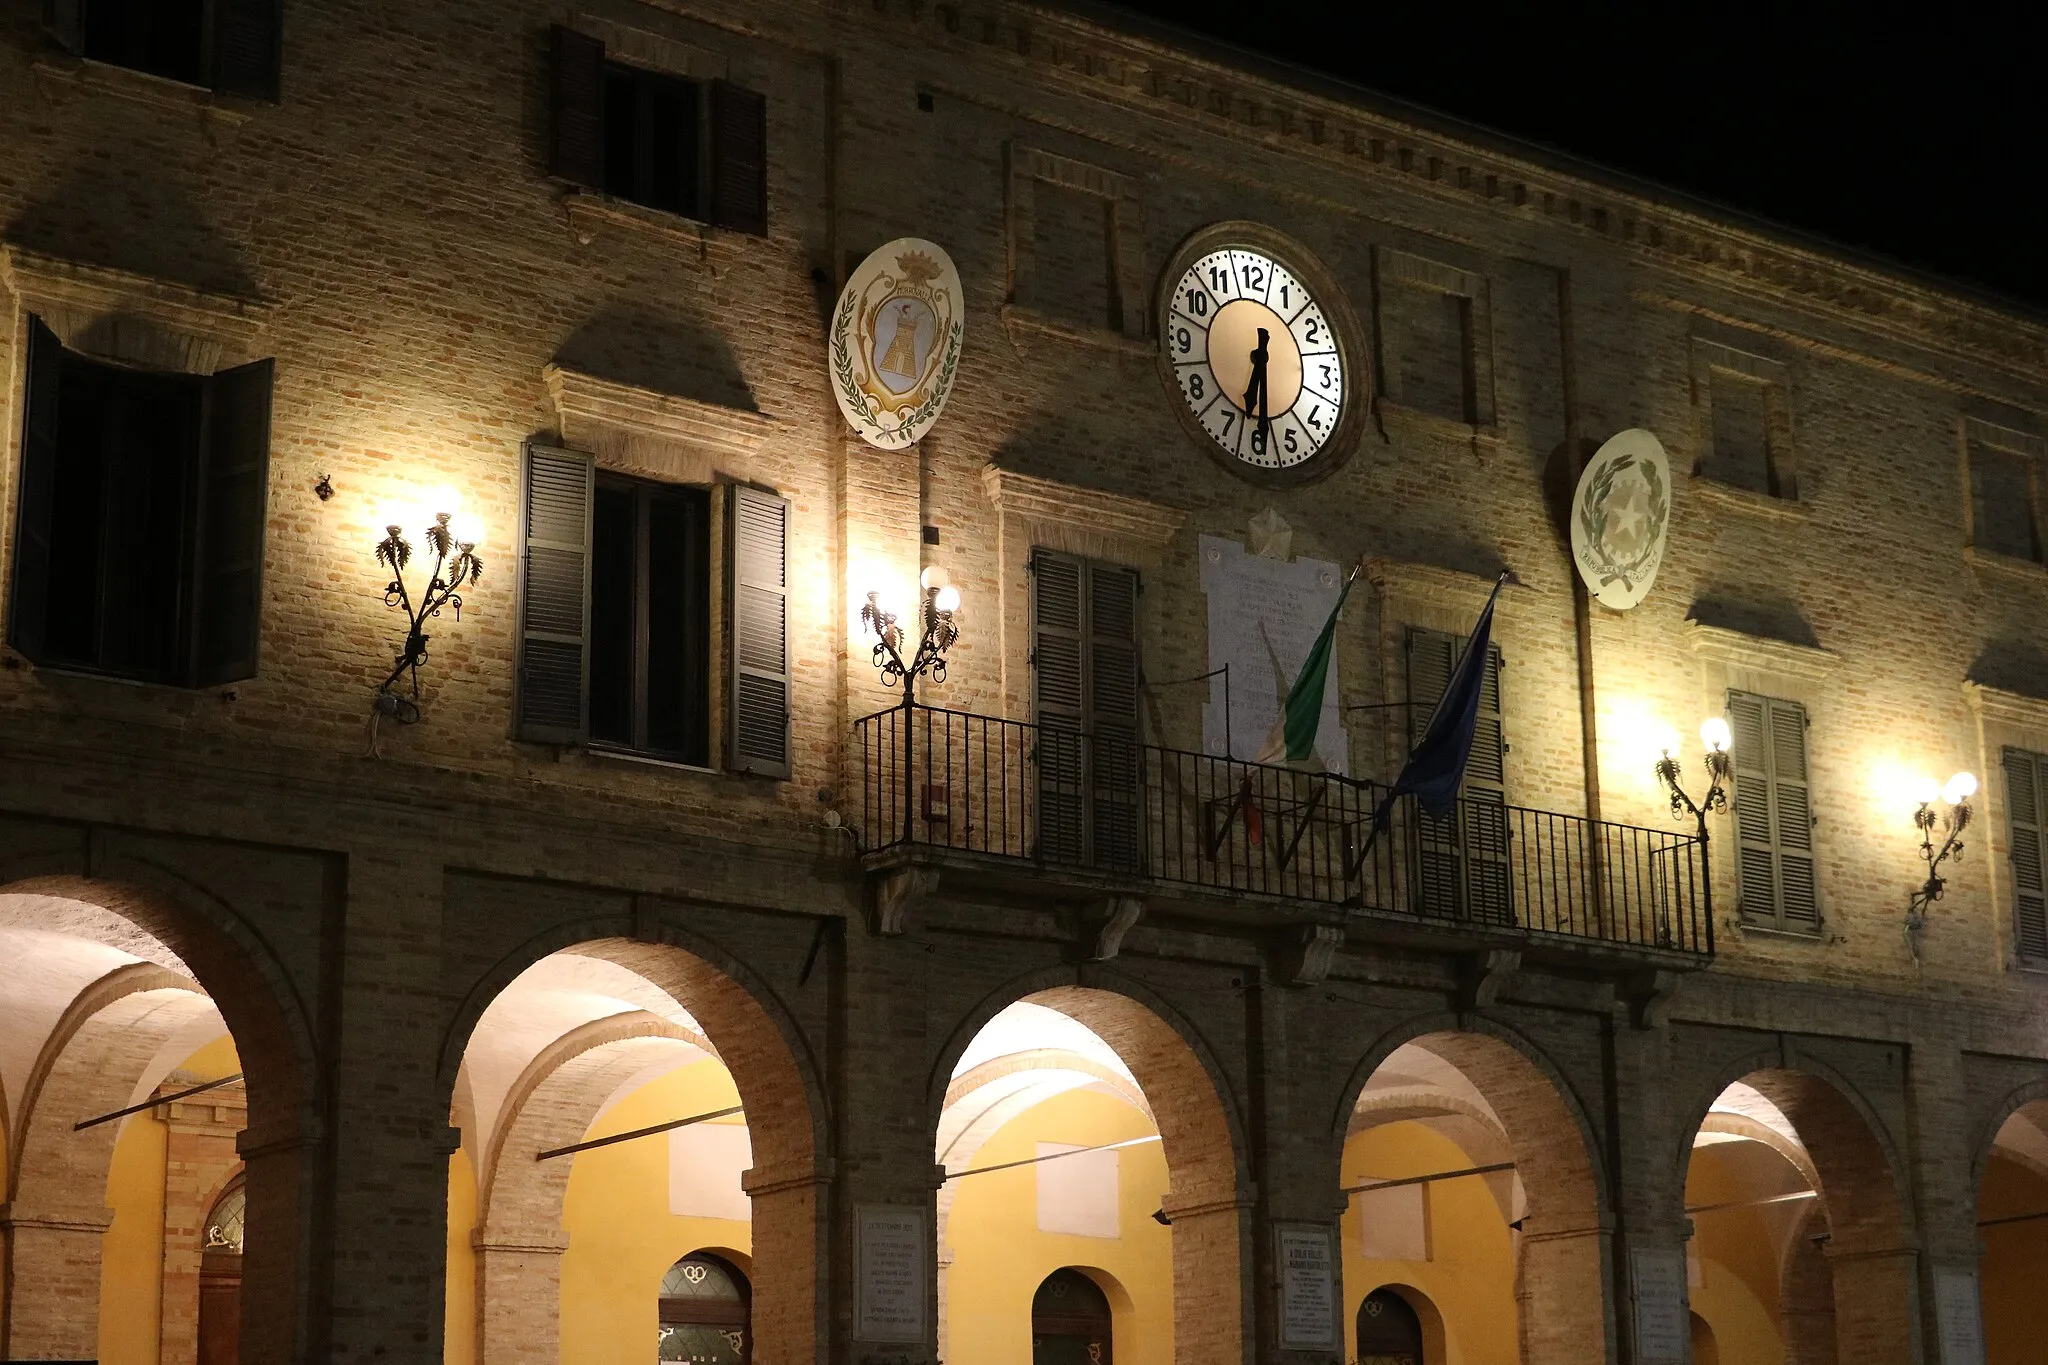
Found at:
[1951, 821]
[938, 600]
[323, 488]
[1714, 740]
[456, 566]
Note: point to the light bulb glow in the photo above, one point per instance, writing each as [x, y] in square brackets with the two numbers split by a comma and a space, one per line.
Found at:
[948, 599]
[1925, 791]
[1960, 788]
[933, 577]
[1714, 735]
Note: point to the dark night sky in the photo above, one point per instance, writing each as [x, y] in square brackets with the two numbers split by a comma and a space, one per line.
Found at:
[1915, 133]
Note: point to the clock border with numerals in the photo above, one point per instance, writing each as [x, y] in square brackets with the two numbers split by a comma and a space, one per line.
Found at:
[1324, 292]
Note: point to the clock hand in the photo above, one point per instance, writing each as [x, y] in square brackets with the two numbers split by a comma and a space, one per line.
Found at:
[1258, 386]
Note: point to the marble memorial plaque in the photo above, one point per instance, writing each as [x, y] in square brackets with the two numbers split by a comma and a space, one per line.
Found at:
[1960, 1317]
[1264, 616]
[892, 1245]
[1663, 1321]
[1308, 1288]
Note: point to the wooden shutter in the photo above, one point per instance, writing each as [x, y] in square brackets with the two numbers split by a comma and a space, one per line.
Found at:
[757, 579]
[554, 596]
[247, 47]
[1059, 704]
[1773, 813]
[28, 609]
[65, 19]
[576, 141]
[233, 495]
[739, 159]
[1111, 696]
[1461, 865]
[2026, 790]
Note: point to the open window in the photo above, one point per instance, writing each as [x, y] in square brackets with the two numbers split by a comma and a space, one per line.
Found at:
[139, 539]
[231, 46]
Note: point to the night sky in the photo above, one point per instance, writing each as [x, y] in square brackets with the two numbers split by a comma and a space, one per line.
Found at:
[1913, 133]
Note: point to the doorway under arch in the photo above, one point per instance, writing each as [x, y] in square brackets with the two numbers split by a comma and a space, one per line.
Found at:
[1389, 1331]
[1071, 1323]
[706, 1312]
[587, 1189]
[2012, 1196]
[1077, 1126]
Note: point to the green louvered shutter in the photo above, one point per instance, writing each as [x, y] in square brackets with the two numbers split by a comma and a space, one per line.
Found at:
[1773, 813]
[2026, 787]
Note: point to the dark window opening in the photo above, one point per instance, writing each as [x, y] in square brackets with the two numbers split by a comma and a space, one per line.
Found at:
[651, 124]
[2002, 503]
[650, 624]
[139, 539]
[232, 46]
[162, 37]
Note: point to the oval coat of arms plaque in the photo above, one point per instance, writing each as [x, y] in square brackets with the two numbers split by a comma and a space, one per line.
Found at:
[895, 342]
[1621, 517]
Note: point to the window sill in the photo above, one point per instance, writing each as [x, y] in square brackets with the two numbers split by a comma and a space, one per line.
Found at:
[1017, 318]
[600, 753]
[588, 212]
[2012, 566]
[1728, 497]
[1814, 937]
[1400, 415]
[65, 72]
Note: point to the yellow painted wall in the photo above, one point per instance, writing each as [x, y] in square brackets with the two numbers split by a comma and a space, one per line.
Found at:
[1470, 1273]
[2015, 1264]
[458, 1324]
[1738, 1250]
[622, 1238]
[999, 1257]
[132, 1253]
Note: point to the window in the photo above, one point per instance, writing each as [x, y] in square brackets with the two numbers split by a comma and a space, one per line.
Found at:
[1070, 1321]
[705, 1312]
[1084, 658]
[1436, 338]
[1744, 420]
[615, 644]
[1742, 433]
[1773, 814]
[650, 623]
[694, 148]
[2002, 518]
[139, 546]
[2026, 801]
[1461, 864]
[229, 45]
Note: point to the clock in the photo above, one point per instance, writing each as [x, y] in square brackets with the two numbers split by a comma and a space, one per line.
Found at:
[1256, 345]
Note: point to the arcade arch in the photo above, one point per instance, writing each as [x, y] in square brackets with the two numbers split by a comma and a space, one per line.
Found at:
[2012, 1230]
[575, 1192]
[1081, 1133]
[1800, 1247]
[1468, 1178]
[120, 999]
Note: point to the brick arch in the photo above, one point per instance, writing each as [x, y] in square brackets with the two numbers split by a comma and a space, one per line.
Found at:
[236, 967]
[1564, 1267]
[1872, 1254]
[1198, 1129]
[777, 1078]
[1986, 1138]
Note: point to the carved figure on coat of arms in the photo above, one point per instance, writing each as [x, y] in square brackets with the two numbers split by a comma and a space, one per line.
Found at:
[895, 342]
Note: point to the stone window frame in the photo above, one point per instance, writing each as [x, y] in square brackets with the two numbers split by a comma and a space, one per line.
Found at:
[1025, 167]
[2004, 720]
[1398, 269]
[2026, 446]
[1707, 357]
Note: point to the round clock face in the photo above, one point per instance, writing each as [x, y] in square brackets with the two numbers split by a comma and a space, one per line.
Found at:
[1256, 357]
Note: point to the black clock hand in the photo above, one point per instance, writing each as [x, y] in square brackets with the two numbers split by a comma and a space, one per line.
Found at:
[1258, 386]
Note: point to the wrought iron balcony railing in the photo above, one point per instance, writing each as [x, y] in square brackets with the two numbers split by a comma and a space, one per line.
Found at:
[1109, 805]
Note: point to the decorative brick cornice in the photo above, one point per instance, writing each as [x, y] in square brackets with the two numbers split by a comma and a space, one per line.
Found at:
[2007, 708]
[1108, 514]
[46, 283]
[1743, 650]
[1189, 88]
[579, 398]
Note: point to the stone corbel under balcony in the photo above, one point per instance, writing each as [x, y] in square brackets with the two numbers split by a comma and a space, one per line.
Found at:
[662, 434]
[135, 318]
[1738, 649]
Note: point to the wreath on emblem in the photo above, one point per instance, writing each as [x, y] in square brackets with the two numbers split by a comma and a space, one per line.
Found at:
[1593, 518]
[865, 403]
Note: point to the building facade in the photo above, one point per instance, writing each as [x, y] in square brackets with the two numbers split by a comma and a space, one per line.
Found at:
[1038, 1019]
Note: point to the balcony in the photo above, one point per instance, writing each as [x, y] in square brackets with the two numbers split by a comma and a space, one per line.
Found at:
[1044, 810]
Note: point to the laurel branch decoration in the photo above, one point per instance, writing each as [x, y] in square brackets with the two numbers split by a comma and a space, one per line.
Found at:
[1593, 521]
[864, 403]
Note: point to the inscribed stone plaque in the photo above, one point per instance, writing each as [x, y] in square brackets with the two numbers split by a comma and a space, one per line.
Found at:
[1264, 617]
[1308, 1288]
[1663, 1322]
[892, 1244]
[1956, 1310]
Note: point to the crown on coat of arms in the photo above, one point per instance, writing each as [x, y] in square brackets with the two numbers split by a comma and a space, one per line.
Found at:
[918, 268]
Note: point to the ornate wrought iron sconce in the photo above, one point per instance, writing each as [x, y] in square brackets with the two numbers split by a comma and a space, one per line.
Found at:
[1714, 741]
[456, 566]
[1951, 822]
[938, 600]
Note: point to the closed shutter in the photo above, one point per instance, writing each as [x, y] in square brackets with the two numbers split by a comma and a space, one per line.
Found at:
[1085, 694]
[234, 488]
[1773, 813]
[739, 159]
[2026, 789]
[576, 140]
[1461, 865]
[28, 611]
[758, 588]
[1112, 700]
[554, 597]
[65, 19]
[1059, 705]
[247, 47]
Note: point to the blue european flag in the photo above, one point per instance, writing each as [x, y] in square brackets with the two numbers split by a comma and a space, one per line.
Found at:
[1436, 768]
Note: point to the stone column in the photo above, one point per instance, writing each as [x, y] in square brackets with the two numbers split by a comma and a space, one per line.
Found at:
[53, 1260]
[1564, 1316]
[1209, 1280]
[1806, 1296]
[199, 1156]
[1942, 1167]
[519, 1295]
[788, 1322]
